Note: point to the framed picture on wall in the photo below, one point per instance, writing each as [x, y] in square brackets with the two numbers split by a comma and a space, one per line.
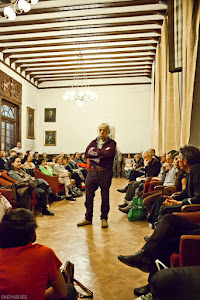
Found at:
[50, 114]
[30, 123]
[50, 138]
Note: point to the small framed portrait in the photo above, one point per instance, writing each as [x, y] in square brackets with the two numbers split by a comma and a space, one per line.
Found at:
[30, 123]
[50, 138]
[50, 114]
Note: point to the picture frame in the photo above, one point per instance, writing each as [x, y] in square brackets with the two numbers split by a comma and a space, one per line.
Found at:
[50, 138]
[30, 123]
[175, 22]
[50, 115]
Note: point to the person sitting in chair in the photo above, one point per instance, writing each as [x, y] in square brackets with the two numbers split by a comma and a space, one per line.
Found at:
[27, 267]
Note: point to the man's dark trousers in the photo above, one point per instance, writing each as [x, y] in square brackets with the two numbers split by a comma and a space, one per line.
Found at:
[94, 180]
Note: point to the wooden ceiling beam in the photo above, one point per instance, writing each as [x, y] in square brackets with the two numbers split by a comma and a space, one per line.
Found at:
[100, 60]
[100, 76]
[81, 27]
[70, 36]
[153, 45]
[89, 63]
[35, 46]
[84, 18]
[86, 74]
[105, 77]
[84, 7]
[149, 66]
[150, 52]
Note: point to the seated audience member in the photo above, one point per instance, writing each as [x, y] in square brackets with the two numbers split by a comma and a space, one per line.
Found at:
[75, 174]
[24, 158]
[163, 158]
[166, 176]
[62, 154]
[45, 168]
[152, 168]
[27, 267]
[29, 166]
[78, 161]
[117, 164]
[180, 185]
[41, 186]
[8, 163]
[5, 206]
[36, 159]
[152, 152]
[44, 156]
[128, 165]
[163, 242]
[3, 159]
[19, 149]
[138, 168]
[74, 166]
[82, 158]
[189, 160]
[63, 174]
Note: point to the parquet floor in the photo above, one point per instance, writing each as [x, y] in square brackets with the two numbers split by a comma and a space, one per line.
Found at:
[94, 250]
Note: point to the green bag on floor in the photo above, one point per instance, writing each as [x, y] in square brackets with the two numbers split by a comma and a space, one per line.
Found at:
[138, 211]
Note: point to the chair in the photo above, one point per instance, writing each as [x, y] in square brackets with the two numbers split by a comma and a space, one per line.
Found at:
[189, 247]
[52, 181]
[7, 193]
[5, 176]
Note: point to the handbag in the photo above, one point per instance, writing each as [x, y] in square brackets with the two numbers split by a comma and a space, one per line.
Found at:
[68, 274]
[138, 211]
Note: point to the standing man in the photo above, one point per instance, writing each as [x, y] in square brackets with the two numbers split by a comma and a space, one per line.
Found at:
[101, 153]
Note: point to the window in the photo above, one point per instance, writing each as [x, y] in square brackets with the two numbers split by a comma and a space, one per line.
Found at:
[8, 125]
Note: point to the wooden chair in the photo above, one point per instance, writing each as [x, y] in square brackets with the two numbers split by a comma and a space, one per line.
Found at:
[52, 181]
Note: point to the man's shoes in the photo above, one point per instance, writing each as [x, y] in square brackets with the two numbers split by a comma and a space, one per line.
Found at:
[139, 260]
[104, 223]
[147, 238]
[123, 190]
[46, 212]
[70, 198]
[123, 205]
[143, 290]
[125, 209]
[84, 222]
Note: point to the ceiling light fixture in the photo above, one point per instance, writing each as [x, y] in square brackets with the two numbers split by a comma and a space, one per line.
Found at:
[17, 7]
[80, 88]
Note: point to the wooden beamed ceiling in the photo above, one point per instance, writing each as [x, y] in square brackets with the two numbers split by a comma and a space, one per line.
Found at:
[117, 41]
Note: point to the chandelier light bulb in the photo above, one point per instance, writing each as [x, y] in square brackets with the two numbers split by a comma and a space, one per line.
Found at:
[34, 1]
[9, 13]
[24, 5]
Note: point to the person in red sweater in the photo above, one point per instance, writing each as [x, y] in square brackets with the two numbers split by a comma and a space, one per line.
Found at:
[27, 267]
[101, 153]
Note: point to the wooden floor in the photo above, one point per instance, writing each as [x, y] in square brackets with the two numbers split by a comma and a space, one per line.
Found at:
[94, 250]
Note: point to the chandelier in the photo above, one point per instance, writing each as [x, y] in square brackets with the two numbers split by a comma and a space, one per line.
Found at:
[80, 88]
[17, 7]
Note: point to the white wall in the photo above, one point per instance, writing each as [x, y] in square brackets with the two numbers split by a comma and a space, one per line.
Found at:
[127, 108]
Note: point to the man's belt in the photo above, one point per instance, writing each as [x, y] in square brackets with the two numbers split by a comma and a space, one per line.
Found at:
[97, 168]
